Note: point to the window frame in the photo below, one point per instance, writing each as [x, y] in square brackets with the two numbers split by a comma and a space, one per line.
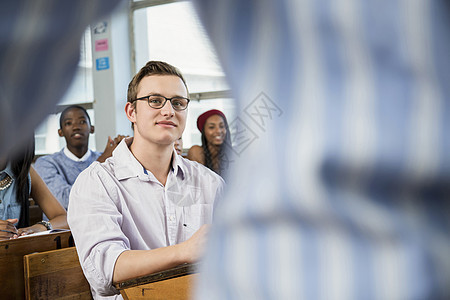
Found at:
[137, 5]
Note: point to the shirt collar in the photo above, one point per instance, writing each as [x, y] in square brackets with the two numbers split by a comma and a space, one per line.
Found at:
[74, 157]
[127, 166]
[177, 165]
[8, 171]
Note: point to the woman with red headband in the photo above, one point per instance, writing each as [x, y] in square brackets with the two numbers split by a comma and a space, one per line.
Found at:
[215, 135]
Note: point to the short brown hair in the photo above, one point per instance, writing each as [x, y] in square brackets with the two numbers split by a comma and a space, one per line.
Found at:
[152, 68]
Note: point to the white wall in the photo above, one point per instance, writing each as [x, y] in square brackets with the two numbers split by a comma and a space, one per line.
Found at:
[110, 42]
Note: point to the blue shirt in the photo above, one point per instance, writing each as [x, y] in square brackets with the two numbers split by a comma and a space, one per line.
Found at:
[9, 207]
[59, 172]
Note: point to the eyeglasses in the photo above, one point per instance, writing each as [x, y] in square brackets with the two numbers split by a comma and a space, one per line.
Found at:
[157, 101]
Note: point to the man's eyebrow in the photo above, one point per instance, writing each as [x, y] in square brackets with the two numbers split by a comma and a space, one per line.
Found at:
[151, 94]
[158, 94]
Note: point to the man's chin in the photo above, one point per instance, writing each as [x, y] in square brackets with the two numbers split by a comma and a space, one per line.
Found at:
[77, 143]
[166, 142]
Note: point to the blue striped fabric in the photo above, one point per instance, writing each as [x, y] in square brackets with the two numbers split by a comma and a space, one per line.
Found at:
[343, 191]
[39, 53]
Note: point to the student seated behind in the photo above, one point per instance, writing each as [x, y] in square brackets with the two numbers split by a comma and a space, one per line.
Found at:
[59, 170]
[215, 136]
[144, 209]
[19, 181]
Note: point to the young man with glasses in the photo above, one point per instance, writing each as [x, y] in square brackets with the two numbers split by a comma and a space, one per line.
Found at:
[144, 209]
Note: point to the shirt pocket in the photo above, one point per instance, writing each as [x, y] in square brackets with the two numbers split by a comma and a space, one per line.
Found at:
[194, 216]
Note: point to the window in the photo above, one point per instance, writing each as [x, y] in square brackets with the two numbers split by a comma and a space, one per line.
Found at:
[162, 30]
[173, 33]
[80, 92]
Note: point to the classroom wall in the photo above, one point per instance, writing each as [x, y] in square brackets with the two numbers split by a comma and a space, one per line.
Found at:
[111, 75]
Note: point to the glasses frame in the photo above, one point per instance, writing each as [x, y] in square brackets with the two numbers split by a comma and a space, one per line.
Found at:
[165, 101]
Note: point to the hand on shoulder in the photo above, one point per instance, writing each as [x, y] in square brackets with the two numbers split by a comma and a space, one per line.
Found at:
[196, 154]
[110, 146]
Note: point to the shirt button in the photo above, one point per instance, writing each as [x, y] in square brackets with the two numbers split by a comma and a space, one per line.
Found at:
[172, 218]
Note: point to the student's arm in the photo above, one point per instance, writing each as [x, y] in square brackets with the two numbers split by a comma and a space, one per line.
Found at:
[134, 263]
[196, 154]
[48, 203]
[55, 181]
[110, 146]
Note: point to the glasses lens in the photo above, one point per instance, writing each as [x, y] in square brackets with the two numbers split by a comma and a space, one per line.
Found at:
[179, 103]
[156, 101]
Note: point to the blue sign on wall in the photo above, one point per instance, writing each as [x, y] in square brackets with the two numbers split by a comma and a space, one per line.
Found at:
[102, 63]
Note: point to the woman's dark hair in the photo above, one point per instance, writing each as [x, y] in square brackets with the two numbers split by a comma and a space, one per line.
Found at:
[20, 166]
[222, 155]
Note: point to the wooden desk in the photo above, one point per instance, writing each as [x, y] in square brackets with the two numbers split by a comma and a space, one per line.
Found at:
[11, 259]
[171, 284]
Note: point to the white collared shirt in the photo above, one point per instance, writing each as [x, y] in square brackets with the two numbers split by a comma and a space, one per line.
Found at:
[74, 157]
[115, 206]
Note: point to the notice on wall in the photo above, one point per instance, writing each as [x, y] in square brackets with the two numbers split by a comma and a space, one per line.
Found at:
[101, 45]
[101, 27]
[102, 63]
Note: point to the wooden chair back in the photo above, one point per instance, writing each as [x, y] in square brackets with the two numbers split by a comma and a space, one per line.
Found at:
[11, 259]
[55, 274]
[35, 212]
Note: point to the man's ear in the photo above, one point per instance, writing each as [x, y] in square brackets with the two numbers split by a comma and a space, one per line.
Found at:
[60, 133]
[92, 129]
[130, 111]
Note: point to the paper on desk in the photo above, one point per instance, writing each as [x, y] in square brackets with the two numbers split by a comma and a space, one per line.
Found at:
[44, 232]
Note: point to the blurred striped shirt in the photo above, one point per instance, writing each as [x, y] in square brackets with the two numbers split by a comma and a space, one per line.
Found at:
[39, 54]
[341, 185]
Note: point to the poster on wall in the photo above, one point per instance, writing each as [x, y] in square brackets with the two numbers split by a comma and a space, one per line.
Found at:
[102, 63]
[101, 45]
[101, 27]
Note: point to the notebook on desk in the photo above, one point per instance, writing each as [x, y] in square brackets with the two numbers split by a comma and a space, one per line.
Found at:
[44, 232]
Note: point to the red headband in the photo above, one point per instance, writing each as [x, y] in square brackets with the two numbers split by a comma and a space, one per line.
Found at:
[204, 116]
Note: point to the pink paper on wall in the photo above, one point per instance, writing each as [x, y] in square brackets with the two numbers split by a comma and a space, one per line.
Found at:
[101, 45]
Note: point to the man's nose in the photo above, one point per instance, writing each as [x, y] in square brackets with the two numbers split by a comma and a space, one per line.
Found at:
[167, 109]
